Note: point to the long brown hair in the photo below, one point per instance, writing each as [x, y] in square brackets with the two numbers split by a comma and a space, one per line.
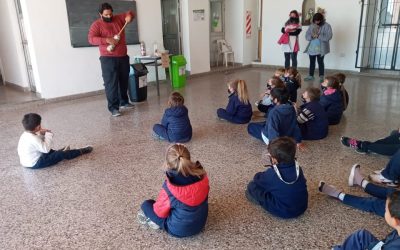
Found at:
[178, 158]
[240, 88]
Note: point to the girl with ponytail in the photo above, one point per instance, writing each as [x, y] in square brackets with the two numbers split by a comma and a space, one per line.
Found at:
[239, 108]
[181, 208]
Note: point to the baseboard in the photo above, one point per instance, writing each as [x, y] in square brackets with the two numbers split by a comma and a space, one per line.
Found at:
[17, 87]
[74, 97]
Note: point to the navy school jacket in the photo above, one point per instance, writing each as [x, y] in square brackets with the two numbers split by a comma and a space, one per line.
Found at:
[183, 201]
[240, 112]
[391, 242]
[176, 121]
[313, 121]
[275, 196]
[282, 121]
[333, 105]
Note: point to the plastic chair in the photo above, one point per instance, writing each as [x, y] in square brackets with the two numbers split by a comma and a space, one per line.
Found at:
[225, 50]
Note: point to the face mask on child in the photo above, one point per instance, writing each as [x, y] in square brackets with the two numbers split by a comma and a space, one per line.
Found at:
[303, 99]
[267, 100]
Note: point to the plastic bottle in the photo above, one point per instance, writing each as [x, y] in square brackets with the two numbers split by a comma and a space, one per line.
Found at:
[142, 49]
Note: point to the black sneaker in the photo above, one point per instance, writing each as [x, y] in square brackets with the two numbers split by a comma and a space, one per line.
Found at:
[115, 113]
[350, 142]
[86, 150]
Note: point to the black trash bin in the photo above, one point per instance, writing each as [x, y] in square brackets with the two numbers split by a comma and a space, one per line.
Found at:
[138, 82]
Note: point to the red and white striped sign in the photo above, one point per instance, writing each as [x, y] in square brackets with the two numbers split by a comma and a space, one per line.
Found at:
[248, 24]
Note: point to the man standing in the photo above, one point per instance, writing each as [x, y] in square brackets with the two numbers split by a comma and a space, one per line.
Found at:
[113, 56]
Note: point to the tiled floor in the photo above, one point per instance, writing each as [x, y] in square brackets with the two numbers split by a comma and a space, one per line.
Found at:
[91, 202]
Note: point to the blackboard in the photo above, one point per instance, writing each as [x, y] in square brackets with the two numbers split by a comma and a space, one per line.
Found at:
[82, 13]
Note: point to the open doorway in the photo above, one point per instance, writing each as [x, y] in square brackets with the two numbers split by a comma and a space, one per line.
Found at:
[171, 26]
[23, 89]
[217, 28]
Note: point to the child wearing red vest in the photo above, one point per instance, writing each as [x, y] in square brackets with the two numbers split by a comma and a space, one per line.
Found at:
[181, 208]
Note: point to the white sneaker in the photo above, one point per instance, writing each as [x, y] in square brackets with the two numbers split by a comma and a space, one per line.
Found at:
[352, 173]
[153, 225]
[141, 217]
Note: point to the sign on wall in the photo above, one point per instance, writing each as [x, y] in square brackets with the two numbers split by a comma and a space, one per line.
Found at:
[198, 15]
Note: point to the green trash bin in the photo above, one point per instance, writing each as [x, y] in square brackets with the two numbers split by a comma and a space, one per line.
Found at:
[178, 71]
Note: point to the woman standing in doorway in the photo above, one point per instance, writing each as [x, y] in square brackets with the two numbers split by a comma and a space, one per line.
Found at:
[292, 28]
[319, 34]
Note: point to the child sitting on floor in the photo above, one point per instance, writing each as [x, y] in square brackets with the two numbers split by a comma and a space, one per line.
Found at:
[34, 146]
[266, 103]
[331, 99]
[345, 96]
[281, 189]
[293, 83]
[280, 73]
[239, 108]
[311, 116]
[282, 120]
[375, 204]
[363, 239]
[181, 208]
[175, 124]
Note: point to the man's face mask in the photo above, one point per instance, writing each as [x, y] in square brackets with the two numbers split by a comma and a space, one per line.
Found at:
[107, 19]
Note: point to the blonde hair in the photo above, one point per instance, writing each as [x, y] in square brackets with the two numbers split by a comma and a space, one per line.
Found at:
[296, 75]
[178, 158]
[175, 100]
[240, 88]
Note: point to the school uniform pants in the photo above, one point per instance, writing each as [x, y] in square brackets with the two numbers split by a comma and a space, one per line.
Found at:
[321, 65]
[148, 210]
[374, 204]
[385, 146]
[221, 113]
[392, 169]
[255, 129]
[359, 240]
[55, 156]
[161, 132]
[115, 72]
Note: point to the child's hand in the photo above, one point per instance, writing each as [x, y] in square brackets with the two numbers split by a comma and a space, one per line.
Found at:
[44, 130]
[301, 147]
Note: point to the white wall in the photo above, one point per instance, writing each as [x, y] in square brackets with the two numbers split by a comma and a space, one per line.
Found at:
[234, 27]
[342, 15]
[11, 51]
[61, 70]
[250, 44]
[245, 49]
[196, 36]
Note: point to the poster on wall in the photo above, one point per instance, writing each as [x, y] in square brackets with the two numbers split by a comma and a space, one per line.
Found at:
[248, 24]
[198, 15]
